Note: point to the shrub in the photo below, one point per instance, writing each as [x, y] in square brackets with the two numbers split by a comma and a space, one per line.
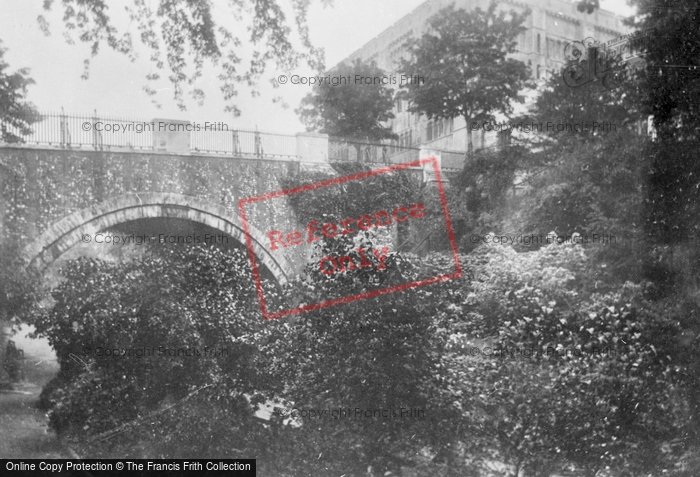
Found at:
[574, 377]
[189, 316]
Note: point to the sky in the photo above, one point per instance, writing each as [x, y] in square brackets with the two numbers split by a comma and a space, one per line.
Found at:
[115, 85]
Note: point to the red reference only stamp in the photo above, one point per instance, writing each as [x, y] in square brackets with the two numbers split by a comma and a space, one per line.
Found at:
[330, 230]
[278, 240]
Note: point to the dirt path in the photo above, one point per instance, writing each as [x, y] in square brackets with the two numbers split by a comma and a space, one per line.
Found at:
[23, 428]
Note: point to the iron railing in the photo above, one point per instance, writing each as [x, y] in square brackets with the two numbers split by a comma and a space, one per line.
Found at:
[106, 132]
[75, 130]
[452, 160]
[342, 150]
[243, 143]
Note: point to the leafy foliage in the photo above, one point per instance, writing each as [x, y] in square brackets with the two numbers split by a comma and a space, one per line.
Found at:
[463, 60]
[352, 109]
[383, 372]
[479, 197]
[585, 182]
[671, 81]
[559, 103]
[189, 316]
[563, 375]
[366, 195]
[15, 111]
[671, 87]
[607, 381]
[579, 377]
[351, 198]
[181, 38]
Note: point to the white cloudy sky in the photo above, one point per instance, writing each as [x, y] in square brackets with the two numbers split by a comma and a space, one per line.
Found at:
[115, 86]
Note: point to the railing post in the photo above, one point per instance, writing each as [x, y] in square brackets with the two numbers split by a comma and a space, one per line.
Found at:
[65, 132]
[368, 153]
[96, 135]
[258, 143]
[236, 142]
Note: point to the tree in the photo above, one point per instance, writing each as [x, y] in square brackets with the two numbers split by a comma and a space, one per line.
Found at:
[481, 193]
[463, 61]
[672, 92]
[352, 109]
[588, 180]
[181, 37]
[381, 348]
[589, 104]
[571, 183]
[15, 111]
[16, 117]
[673, 79]
[672, 82]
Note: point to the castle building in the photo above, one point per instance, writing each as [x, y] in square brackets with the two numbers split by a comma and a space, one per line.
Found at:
[551, 25]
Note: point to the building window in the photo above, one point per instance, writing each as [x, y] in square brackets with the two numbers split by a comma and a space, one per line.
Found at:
[438, 128]
[560, 50]
[393, 147]
[538, 71]
[539, 47]
[406, 138]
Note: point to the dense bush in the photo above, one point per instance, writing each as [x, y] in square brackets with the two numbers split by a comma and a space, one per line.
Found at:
[564, 375]
[579, 375]
[189, 316]
[373, 354]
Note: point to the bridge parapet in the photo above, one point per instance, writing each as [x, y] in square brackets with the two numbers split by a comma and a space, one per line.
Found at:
[104, 133]
[170, 136]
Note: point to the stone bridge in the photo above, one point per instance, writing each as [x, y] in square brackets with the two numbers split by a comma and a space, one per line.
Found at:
[53, 195]
[51, 198]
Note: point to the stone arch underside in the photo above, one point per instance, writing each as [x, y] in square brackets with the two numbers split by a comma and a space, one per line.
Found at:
[67, 232]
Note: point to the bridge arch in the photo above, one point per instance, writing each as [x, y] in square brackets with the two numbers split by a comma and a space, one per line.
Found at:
[67, 232]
